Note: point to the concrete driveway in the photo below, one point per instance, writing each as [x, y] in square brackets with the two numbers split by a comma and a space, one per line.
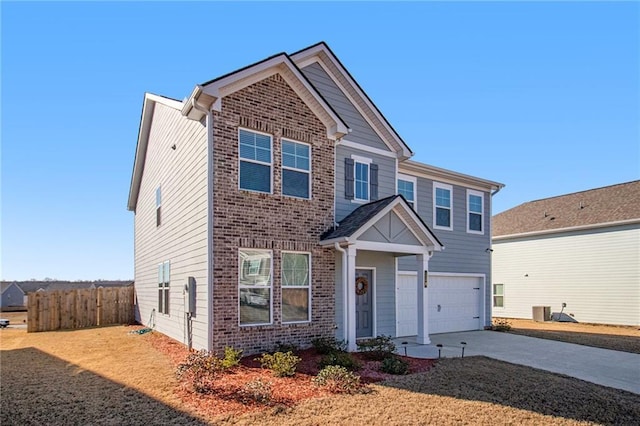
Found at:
[605, 367]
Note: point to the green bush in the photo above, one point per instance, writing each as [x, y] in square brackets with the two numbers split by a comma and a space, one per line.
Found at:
[394, 365]
[256, 390]
[286, 347]
[282, 364]
[231, 357]
[342, 359]
[327, 345]
[338, 380]
[501, 324]
[378, 348]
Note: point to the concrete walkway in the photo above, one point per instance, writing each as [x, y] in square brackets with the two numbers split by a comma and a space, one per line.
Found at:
[620, 370]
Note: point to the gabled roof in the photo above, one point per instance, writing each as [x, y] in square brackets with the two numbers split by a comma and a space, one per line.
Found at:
[600, 207]
[148, 106]
[415, 168]
[322, 52]
[209, 94]
[364, 216]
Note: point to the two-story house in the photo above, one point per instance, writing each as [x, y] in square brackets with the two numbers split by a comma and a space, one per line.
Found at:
[276, 204]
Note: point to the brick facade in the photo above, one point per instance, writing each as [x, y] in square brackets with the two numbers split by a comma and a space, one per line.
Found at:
[244, 219]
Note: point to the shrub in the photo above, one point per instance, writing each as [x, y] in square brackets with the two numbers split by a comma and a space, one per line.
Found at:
[501, 324]
[256, 390]
[231, 357]
[342, 359]
[327, 345]
[394, 365]
[378, 348]
[286, 347]
[338, 380]
[200, 363]
[282, 364]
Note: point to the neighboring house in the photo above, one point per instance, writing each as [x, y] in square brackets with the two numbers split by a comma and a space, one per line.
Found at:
[12, 296]
[580, 249]
[276, 204]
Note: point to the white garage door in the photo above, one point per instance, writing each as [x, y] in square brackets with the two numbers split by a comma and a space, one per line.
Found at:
[454, 304]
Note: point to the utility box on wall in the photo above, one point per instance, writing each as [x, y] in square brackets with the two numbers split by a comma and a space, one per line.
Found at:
[542, 313]
[190, 296]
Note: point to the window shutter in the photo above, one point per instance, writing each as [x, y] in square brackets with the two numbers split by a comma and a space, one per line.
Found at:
[373, 170]
[348, 178]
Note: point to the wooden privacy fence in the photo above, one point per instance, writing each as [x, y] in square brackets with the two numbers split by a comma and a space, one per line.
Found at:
[69, 309]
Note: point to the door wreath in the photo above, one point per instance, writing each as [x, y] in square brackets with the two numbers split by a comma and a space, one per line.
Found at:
[362, 285]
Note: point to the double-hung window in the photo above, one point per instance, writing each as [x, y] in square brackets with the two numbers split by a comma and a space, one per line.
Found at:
[164, 278]
[296, 169]
[158, 204]
[360, 179]
[474, 212]
[255, 161]
[407, 188]
[296, 289]
[442, 206]
[255, 286]
[498, 295]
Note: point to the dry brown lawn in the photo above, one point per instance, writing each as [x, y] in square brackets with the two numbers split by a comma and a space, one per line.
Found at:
[108, 376]
[618, 338]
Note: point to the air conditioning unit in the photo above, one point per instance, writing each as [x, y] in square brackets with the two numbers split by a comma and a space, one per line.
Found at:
[542, 313]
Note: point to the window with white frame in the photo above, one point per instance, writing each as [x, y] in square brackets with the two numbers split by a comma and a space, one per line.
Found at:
[164, 278]
[296, 169]
[361, 176]
[498, 295]
[255, 284]
[255, 161]
[407, 188]
[475, 211]
[158, 204]
[296, 289]
[442, 206]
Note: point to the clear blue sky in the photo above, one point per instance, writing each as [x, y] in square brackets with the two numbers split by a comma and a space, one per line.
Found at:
[542, 96]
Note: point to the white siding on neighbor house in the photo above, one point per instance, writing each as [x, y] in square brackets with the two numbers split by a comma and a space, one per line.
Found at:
[182, 236]
[595, 272]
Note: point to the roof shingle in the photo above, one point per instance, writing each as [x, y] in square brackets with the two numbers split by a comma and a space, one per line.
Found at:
[595, 206]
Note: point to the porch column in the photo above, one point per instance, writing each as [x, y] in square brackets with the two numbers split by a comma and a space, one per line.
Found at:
[350, 303]
[422, 267]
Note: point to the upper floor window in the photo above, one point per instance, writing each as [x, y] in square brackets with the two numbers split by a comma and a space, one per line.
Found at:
[407, 188]
[164, 278]
[255, 161]
[296, 169]
[474, 211]
[360, 179]
[255, 286]
[158, 203]
[296, 291]
[442, 206]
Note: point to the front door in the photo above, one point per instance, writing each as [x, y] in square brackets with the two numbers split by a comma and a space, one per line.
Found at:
[364, 303]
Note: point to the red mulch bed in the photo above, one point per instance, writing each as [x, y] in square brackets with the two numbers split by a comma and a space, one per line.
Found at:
[226, 398]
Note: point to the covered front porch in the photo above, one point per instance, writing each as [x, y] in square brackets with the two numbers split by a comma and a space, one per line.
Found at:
[367, 244]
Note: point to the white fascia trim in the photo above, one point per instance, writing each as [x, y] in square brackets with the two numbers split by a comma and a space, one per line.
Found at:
[567, 229]
[336, 128]
[331, 242]
[309, 56]
[148, 106]
[449, 176]
[433, 244]
[171, 103]
[366, 148]
[391, 248]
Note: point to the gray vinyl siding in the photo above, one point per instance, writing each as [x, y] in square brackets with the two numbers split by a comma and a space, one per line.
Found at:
[385, 293]
[385, 289]
[386, 178]
[595, 272]
[361, 131]
[464, 252]
[12, 296]
[182, 236]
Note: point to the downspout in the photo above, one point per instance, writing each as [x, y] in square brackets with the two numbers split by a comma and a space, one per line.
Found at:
[344, 289]
[210, 223]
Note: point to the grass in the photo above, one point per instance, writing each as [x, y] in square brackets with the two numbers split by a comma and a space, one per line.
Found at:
[107, 376]
[617, 338]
